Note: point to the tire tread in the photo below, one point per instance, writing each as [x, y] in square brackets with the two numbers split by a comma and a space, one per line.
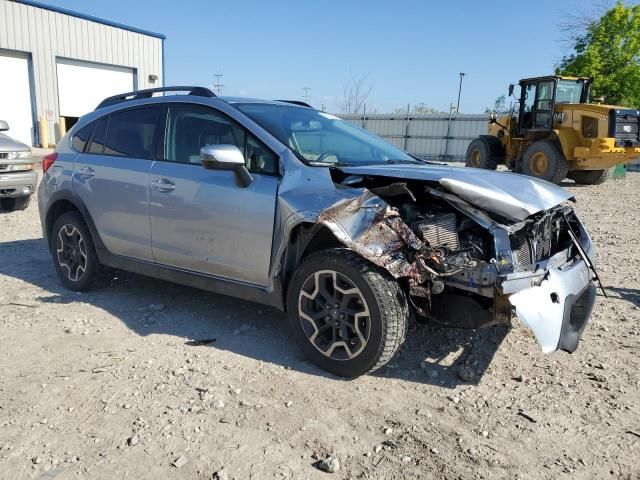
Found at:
[389, 295]
[16, 203]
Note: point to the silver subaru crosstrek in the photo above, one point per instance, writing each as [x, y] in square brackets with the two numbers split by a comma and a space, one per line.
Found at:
[281, 204]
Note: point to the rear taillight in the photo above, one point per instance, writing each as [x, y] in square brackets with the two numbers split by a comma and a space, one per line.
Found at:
[48, 160]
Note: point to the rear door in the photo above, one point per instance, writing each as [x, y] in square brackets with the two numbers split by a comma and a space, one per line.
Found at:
[111, 177]
[202, 220]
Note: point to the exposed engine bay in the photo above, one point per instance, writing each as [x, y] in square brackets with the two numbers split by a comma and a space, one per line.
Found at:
[460, 264]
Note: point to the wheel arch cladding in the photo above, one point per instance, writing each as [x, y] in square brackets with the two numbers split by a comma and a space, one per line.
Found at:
[305, 239]
[65, 203]
[57, 209]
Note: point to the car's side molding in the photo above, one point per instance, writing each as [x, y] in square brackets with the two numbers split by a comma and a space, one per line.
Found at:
[223, 286]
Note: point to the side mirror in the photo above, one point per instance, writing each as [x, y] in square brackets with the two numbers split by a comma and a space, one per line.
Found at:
[492, 118]
[4, 126]
[226, 157]
[511, 87]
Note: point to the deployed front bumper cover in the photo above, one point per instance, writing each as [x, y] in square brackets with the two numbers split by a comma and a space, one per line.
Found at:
[558, 308]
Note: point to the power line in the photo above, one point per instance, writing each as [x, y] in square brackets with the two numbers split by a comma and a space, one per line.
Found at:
[307, 96]
[218, 86]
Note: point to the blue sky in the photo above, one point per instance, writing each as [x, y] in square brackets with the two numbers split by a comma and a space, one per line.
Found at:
[409, 51]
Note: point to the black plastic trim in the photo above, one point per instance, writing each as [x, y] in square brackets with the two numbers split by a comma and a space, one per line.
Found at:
[295, 102]
[77, 202]
[148, 93]
[252, 293]
[577, 310]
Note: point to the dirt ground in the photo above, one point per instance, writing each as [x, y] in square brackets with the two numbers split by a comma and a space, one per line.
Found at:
[127, 381]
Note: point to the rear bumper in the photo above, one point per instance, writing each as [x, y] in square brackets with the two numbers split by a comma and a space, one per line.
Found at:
[17, 184]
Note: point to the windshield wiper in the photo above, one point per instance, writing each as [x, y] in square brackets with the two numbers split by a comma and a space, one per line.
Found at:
[400, 161]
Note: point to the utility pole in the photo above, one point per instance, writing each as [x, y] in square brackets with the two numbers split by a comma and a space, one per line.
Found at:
[306, 96]
[218, 86]
[462, 74]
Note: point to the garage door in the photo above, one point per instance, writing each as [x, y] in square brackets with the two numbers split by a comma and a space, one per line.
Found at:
[82, 85]
[15, 95]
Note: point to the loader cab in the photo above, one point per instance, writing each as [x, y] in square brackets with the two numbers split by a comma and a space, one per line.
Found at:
[538, 97]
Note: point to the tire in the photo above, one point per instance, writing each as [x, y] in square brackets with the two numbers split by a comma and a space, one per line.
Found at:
[590, 177]
[376, 304]
[73, 252]
[544, 160]
[482, 151]
[15, 203]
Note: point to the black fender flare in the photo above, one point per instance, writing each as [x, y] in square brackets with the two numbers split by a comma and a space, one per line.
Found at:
[76, 201]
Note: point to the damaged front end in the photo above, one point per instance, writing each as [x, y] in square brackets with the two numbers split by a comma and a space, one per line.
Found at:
[469, 267]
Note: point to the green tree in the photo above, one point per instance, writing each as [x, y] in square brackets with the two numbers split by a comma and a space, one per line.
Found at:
[608, 49]
[499, 107]
[420, 109]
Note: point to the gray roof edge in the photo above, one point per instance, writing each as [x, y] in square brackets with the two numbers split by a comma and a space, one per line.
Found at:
[73, 13]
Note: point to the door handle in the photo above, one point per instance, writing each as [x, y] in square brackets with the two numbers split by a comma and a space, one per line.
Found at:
[163, 185]
[86, 172]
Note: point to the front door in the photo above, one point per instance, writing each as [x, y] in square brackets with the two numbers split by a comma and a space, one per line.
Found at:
[202, 220]
[543, 109]
[537, 100]
[111, 177]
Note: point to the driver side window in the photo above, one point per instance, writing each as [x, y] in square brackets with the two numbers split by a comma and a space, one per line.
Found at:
[191, 127]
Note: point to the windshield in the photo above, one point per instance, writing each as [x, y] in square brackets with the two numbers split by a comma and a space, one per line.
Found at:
[569, 91]
[322, 139]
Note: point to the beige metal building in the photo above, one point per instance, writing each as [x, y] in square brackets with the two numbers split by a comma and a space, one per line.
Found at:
[57, 64]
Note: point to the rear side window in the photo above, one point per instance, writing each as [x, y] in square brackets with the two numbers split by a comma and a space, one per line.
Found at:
[81, 138]
[131, 133]
[97, 141]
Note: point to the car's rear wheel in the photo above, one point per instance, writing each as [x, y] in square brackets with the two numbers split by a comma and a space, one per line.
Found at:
[15, 203]
[74, 255]
[348, 316]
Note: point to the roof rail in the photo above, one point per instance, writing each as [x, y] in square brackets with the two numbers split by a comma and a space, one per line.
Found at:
[296, 102]
[138, 94]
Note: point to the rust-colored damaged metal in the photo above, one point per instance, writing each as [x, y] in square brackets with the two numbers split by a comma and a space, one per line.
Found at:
[372, 228]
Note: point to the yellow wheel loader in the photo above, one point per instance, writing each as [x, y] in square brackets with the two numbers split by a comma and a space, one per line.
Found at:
[554, 133]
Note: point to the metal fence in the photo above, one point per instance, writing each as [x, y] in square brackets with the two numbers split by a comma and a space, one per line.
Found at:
[433, 137]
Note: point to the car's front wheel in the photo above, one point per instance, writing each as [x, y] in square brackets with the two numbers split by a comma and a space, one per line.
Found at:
[347, 315]
[74, 256]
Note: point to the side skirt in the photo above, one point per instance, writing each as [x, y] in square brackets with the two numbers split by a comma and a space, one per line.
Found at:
[244, 291]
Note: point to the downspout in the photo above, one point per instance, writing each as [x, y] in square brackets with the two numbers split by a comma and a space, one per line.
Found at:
[164, 82]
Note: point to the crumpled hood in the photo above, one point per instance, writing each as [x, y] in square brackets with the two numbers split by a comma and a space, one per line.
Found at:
[508, 194]
[8, 144]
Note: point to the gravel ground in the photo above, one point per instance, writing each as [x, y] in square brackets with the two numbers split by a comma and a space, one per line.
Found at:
[144, 379]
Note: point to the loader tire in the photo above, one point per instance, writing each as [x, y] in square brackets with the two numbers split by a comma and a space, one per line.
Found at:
[482, 151]
[590, 177]
[546, 161]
